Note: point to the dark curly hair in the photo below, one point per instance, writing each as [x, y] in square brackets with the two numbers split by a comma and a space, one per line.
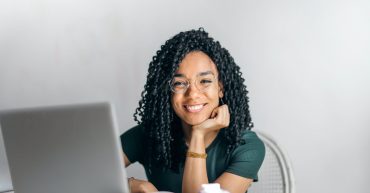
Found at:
[166, 146]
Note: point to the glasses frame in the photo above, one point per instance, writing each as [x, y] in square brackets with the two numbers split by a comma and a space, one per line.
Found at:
[189, 83]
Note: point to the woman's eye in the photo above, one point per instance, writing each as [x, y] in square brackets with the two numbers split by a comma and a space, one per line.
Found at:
[205, 81]
[178, 84]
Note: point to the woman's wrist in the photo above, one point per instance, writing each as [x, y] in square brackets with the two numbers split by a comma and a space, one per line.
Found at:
[196, 143]
[198, 134]
[129, 181]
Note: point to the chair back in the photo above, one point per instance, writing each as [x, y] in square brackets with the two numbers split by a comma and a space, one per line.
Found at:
[275, 174]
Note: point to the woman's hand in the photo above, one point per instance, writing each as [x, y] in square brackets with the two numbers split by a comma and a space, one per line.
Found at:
[141, 186]
[220, 118]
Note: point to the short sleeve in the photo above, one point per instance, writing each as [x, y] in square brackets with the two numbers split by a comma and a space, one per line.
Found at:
[133, 144]
[247, 158]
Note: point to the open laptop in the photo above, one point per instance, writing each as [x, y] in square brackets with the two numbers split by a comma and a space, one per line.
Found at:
[64, 149]
[5, 183]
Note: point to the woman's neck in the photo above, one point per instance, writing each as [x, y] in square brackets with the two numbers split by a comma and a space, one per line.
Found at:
[208, 138]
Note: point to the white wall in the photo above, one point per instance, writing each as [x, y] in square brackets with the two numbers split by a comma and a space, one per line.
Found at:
[306, 65]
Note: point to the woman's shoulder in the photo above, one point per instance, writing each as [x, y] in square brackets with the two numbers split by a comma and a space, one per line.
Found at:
[247, 158]
[134, 143]
[250, 143]
[135, 130]
[134, 135]
[250, 135]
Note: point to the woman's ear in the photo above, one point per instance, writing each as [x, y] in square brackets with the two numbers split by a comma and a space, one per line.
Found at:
[221, 90]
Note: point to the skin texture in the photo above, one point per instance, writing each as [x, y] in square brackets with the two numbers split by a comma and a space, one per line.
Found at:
[200, 128]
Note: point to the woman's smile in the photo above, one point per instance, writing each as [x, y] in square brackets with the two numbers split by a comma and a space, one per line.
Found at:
[195, 108]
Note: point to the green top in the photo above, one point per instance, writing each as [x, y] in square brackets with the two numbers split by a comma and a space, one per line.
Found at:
[244, 161]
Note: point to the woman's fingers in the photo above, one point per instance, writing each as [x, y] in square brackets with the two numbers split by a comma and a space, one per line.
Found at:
[227, 116]
[223, 115]
[219, 118]
[138, 186]
[214, 113]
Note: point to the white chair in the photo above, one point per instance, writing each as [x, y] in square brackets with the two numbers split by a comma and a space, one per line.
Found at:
[275, 174]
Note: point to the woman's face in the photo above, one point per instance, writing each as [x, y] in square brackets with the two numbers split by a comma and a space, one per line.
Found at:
[196, 103]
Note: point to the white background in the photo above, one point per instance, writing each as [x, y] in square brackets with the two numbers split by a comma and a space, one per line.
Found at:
[306, 65]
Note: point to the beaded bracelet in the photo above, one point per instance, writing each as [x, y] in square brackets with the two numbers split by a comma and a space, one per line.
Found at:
[196, 155]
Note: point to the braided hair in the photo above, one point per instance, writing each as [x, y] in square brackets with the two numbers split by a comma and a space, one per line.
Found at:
[165, 144]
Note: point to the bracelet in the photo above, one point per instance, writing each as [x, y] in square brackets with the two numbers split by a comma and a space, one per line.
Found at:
[129, 180]
[196, 155]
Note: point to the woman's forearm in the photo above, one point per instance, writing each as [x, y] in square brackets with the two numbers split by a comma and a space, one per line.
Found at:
[195, 171]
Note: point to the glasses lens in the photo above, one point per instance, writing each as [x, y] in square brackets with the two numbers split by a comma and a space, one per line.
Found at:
[179, 85]
[205, 81]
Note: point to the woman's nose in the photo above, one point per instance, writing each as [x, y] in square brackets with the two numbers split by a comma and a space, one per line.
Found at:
[192, 91]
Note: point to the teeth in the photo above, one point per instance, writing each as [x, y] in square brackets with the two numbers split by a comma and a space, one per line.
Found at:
[194, 107]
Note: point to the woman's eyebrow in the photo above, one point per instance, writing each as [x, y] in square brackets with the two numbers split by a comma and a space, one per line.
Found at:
[178, 75]
[199, 74]
[205, 73]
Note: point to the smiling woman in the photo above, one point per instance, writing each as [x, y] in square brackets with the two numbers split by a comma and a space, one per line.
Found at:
[194, 103]
[194, 125]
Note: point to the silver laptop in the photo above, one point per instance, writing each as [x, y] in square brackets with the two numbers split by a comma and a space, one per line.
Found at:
[64, 149]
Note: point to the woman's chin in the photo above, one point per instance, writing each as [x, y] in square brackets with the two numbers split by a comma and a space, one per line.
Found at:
[193, 122]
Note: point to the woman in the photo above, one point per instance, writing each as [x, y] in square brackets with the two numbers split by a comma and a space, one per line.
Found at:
[193, 121]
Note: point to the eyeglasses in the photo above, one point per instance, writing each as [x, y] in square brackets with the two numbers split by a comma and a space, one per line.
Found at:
[202, 82]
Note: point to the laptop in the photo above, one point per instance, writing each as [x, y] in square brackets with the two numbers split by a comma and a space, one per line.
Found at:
[5, 183]
[64, 149]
